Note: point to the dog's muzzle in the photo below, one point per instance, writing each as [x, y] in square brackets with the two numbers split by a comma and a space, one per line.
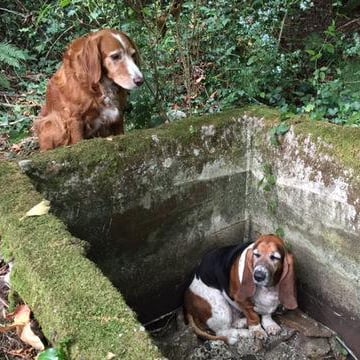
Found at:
[261, 275]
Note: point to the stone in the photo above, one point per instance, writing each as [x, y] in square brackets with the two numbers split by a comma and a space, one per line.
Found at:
[302, 323]
[213, 350]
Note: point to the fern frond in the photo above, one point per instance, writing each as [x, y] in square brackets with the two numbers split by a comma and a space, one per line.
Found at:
[4, 82]
[11, 55]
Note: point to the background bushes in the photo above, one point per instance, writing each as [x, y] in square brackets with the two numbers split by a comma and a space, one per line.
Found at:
[198, 56]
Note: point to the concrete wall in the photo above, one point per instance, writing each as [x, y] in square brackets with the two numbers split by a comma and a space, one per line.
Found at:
[150, 203]
[315, 202]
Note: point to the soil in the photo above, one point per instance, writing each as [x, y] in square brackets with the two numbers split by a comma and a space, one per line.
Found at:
[11, 347]
[22, 149]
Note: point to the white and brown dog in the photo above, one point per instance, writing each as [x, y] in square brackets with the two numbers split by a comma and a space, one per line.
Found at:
[252, 279]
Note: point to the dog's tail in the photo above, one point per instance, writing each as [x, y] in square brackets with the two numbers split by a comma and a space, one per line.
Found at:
[202, 334]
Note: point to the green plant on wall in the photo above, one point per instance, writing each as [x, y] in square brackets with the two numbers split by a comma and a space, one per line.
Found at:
[267, 185]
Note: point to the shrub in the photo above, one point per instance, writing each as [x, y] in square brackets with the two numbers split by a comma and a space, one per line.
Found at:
[205, 56]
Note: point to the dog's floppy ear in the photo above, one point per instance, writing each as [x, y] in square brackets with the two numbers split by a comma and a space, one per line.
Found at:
[287, 284]
[87, 60]
[247, 286]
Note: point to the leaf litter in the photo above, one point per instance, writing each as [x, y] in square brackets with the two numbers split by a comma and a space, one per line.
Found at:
[20, 335]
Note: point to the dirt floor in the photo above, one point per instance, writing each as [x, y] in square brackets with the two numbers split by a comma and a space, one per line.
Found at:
[301, 338]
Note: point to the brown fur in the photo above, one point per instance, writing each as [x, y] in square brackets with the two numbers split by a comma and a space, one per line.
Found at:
[283, 276]
[85, 83]
[194, 304]
[197, 310]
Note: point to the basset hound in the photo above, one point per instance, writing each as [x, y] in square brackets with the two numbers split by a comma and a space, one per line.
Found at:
[251, 279]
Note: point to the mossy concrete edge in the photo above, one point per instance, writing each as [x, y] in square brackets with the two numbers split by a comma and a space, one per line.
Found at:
[69, 296]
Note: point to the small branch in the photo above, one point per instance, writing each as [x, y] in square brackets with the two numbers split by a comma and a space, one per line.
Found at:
[14, 12]
[170, 313]
[19, 105]
[282, 28]
[57, 39]
[349, 23]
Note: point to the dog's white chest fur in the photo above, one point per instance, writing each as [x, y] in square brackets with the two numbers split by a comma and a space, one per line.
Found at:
[110, 111]
[266, 300]
[109, 114]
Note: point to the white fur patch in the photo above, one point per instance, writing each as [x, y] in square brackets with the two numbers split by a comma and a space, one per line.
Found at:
[222, 315]
[131, 67]
[266, 300]
[119, 38]
[242, 262]
[270, 326]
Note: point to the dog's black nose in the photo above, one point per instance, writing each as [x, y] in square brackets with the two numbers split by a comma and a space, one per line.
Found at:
[259, 275]
[139, 80]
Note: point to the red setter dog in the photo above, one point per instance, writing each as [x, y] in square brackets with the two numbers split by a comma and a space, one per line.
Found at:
[87, 95]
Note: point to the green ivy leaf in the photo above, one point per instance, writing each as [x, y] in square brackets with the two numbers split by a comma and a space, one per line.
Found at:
[52, 354]
[309, 108]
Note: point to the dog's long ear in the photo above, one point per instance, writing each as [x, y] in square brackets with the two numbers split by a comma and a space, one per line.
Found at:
[287, 284]
[247, 286]
[86, 60]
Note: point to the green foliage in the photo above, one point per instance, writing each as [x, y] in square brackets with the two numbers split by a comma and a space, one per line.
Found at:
[52, 354]
[210, 57]
[61, 352]
[10, 56]
[278, 131]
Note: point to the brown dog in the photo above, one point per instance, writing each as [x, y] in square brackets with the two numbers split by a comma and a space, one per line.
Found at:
[252, 279]
[87, 96]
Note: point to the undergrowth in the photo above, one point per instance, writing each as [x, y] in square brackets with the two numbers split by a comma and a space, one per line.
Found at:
[198, 56]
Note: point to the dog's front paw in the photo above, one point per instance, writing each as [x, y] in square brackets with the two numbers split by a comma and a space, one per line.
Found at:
[258, 332]
[270, 326]
[273, 329]
[240, 323]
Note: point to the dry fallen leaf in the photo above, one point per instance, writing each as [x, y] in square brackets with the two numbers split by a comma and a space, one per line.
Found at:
[21, 323]
[28, 337]
[42, 208]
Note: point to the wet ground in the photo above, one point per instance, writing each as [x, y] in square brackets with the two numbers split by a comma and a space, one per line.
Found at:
[301, 338]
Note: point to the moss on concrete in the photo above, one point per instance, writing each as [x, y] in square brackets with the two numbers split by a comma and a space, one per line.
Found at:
[69, 296]
[340, 142]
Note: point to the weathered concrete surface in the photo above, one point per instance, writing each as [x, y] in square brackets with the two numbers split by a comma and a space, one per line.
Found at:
[152, 202]
[316, 202]
[74, 303]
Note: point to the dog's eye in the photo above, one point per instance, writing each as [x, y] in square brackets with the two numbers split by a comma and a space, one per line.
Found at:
[257, 255]
[116, 56]
[274, 258]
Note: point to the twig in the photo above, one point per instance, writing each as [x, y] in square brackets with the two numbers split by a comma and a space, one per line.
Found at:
[349, 23]
[14, 12]
[282, 28]
[172, 312]
[57, 39]
[19, 105]
[14, 122]
[346, 347]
